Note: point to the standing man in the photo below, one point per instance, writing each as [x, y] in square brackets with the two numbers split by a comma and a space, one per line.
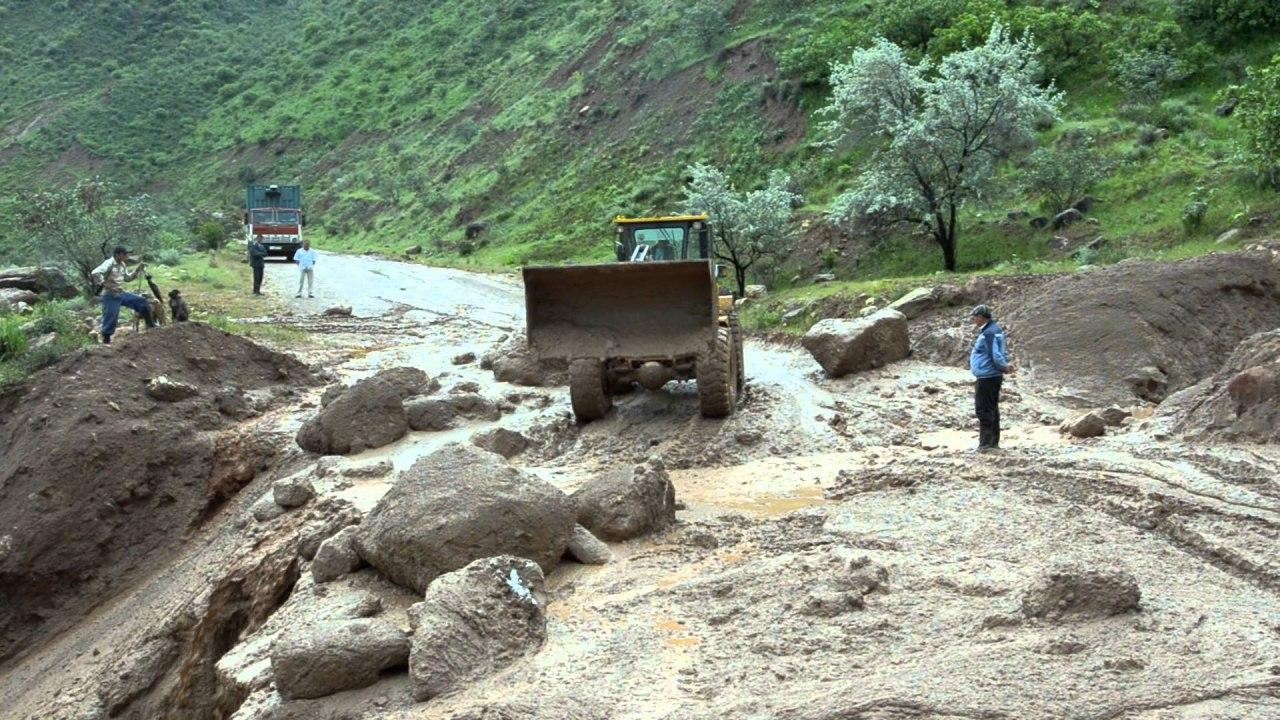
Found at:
[306, 259]
[258, 260]
[989, 364]
[111, 275]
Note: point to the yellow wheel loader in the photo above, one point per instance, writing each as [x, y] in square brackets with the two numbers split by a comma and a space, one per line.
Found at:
[654, 316]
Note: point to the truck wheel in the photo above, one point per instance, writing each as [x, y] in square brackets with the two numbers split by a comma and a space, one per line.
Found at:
[740, 375]
[588, 389]
[717, 378]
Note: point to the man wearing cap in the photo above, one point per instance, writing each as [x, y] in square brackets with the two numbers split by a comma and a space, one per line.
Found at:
[258, 261]
[111, 275]
[989, 364]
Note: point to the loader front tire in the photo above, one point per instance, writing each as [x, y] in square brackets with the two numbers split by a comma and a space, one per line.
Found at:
[740, 371]
[589, 389]
[717, 377]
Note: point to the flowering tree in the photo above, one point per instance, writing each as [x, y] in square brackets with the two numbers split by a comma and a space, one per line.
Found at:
[940, 130]
[748, 227]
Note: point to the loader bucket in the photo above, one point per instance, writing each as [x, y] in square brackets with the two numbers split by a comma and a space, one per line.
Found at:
[623, 310]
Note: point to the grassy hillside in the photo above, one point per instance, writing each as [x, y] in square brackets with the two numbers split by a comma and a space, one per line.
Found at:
[406, 122]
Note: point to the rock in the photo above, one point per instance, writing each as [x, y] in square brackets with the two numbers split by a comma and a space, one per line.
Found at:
[42, 341]
[10, 298]
[1231, 235]
[379, 468]
[1113, 416]
[463, 388]
[439, 413]
[165, 390]
[338, 311]
[475, 621]
[1085, 204]
[22, 308]
[824, 278]
[266, 509]
[292, 491]
[318, 660]
[845, 346]
[507, 443]
[624, 504]
[793, 314]
[48, 280]
[465, 358]
[1149, 383]
[336, 556]
[587, 548]
[1228, 108]
[1067, 217]
[1077, 592]
[326, 518]
[409, 381]
[512, 362]
[756, 291]
[1091, 424]
[458, 504]
[331, 393]
[914, 303]
[413, 250]
[368, 414]
[1039, 223]
[748, 437]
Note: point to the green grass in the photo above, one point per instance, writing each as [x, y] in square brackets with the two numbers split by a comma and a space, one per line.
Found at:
[23, 347]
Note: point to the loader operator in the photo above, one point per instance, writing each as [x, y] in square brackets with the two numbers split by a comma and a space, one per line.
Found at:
[111, 275]
[989, 365]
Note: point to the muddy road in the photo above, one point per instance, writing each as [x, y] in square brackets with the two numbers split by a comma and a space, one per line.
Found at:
[839, 553]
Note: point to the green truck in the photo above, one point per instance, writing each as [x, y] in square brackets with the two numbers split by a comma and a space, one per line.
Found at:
[275, 212]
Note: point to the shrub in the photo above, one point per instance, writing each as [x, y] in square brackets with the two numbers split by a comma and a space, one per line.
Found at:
[1143, 75]
[211, 235]
[1259, 115]
[1229, 18]
[168, 257]
[1064, 172]
[1193, 214]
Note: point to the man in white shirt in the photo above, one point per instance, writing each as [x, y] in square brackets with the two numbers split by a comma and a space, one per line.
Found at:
[306, 259]
[111, 275]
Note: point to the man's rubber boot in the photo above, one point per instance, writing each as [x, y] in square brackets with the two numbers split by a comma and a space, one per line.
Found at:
[151, 321]
[106, 339]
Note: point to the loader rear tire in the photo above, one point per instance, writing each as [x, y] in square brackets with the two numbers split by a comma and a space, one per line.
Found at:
[589, 389]
[740, 369]
[717, 377]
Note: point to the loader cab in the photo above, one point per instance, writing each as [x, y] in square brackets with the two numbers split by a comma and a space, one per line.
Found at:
[659, 239]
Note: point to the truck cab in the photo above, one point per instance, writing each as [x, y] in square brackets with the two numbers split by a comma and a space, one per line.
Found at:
[275, 212]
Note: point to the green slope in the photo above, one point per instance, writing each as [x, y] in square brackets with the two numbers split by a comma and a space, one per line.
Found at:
[405, 121]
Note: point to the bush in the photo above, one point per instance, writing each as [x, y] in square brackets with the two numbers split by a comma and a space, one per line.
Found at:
[1143, 75]
[1259, 114]
[13, 341]
[211, 235]
[168, 257]
[1230, 19]
[1193, 214]
[1063, 173]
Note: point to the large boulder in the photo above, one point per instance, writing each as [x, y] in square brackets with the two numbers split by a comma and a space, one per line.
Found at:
[504, 441]
[368, 414]
[336, 556]
[915, 303]
[475, 621]
[1089, 425]
[318, 660]
[1078, 592]
[846, 346]
[456, 505]
[587, 548]
[11, 298]
[48, 280]
[512, 361]
[441, 413]
[627, 503]
[1070, 216]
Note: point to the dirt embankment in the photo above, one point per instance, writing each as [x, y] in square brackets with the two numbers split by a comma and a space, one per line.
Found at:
[1142, 330]
[102, 472]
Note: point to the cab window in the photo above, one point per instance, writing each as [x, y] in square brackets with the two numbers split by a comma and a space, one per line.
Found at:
[662, 243]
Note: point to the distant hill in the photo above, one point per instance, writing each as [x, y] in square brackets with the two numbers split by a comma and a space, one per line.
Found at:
[406, 122]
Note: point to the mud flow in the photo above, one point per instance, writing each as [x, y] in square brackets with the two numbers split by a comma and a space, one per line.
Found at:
[838, 550]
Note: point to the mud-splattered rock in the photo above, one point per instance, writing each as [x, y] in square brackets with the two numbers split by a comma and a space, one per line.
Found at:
[474, 621]
[506, 442]
[314, 661]
[513, 362]
[846, 346]
[456, 505]
[442, 413]
[587, 548]
[166, 390]
[378, 468]
[465, 358]
[1078, 592]
[293, 491]
[369, 414]
[336, 556]
[331, 393]
[338, 311]
[1091, 424]
[914, 303]
[627, 503]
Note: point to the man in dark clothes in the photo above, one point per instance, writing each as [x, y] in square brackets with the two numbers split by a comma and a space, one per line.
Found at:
[258, 260]
[989, 363]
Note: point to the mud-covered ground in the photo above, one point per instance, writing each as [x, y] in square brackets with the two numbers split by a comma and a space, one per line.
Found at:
[840, 553]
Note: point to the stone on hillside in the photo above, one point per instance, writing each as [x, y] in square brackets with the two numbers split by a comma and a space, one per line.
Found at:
[756, 291]
[1149, 383]
[292, 492]
[458, 504]
[440, 413]
[331, 393]
[1085, 204]
[265, 509]
[1229, 236]
[11, 298]
[1113, 416]
[846, 346]
[1038, 223]
[1077, 592]
[914, 303]
[1067, 217]
[317, 660]
[48, 280]
[413, 250]
[505, 442]
[1228, 108]
[627, 503]
[166, 390]
[587, 548]
[475, 621]
[336, 556]
[1091, 424]
[824, 278]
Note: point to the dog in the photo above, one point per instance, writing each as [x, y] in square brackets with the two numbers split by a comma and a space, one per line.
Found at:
[157, 313]
[178, 307]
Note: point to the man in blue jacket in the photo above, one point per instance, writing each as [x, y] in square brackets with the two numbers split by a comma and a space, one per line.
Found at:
[989, 363]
